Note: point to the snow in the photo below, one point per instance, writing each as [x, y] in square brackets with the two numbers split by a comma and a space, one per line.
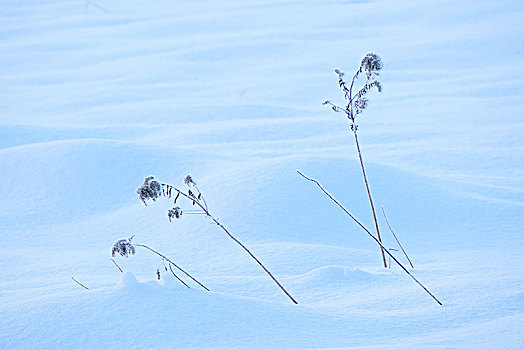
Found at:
[97, 95]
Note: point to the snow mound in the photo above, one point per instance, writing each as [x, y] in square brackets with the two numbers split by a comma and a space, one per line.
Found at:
[64, 181]
[155, 317]
[128, 281]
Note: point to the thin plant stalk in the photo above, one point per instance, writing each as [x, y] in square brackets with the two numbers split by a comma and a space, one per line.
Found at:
[394, 235]
[172, 263]
[354, 127]
[369, 196]
[255, 258]
[114, 262]
[369, 233]
[79, 283]
[356, 103]
[196, 200]
[178, 278]
[391, 250]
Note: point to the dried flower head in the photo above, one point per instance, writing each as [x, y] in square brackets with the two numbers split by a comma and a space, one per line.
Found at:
[371, 64]
[150, 189]
[123, 247]
[188, 180]
[360, 105]
[175, 212]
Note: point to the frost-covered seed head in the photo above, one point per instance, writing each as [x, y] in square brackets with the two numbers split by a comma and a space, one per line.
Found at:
[150, 189]
[188, 180]
[360, 105]
[371, 64]
[175, 212]
[123, 247]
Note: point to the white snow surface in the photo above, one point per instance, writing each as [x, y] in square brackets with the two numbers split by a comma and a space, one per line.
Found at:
[97, 94]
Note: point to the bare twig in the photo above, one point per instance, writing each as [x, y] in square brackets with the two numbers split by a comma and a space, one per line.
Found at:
[79, 283]
[336, 108]
[178, 278]
[369, 233]
[394, 235]
[202, 197]
[172, 263]
[348, 96]
[114, 262]
[391, 250]
[255, 258]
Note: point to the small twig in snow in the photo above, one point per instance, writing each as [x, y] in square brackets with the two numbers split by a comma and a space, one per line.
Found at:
[392, 249]
[114, 262]
[79, 283]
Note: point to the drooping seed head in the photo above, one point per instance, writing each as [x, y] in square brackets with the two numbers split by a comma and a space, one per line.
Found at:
[123, 247]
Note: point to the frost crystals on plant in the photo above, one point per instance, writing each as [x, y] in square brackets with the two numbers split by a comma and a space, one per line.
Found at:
[371, 63]
[356, 103]
[150, 189]
[175, 212]
[188, 180]
[123, 247]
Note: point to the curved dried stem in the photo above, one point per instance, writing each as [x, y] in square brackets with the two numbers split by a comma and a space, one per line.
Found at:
[178, 278]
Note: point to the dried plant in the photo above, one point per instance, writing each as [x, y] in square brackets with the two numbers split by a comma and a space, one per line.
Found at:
[175, 212]
[152, 189]
[348, 213]
[125, 247]
[149, 190]
[356, 103]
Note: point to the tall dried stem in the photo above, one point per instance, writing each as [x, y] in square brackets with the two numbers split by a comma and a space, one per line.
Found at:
[356, 103]
[369, 197]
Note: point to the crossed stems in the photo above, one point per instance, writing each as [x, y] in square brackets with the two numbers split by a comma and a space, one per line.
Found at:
[351, 116]
[368, 232]
[175, 265]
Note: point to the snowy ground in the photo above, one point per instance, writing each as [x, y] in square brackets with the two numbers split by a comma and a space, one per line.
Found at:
[96, 95]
